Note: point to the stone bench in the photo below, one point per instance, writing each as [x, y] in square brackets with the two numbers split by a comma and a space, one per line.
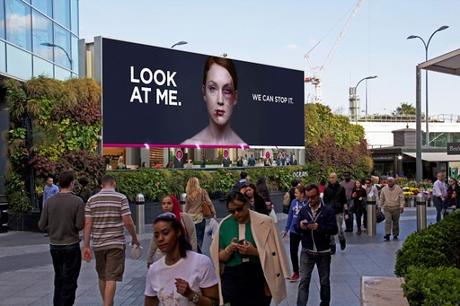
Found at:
[382, 291]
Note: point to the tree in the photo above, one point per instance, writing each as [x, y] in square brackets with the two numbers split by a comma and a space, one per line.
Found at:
[405, 109]
[334, 144]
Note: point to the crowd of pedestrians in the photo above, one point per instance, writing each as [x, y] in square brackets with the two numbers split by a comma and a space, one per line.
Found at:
[247, 264]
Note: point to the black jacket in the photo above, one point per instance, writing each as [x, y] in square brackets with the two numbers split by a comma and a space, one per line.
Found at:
[260, 206]
[327, 226]
[334, 196]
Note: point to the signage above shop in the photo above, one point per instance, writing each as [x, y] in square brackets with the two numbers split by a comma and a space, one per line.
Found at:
[453, 148]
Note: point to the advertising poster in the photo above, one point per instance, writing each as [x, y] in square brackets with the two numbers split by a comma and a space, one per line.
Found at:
[164, 97]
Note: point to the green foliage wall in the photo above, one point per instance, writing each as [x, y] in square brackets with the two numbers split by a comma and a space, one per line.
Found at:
[54, 126]
[334, 144]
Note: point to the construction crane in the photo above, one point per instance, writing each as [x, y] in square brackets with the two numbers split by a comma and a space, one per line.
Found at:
[315, 77]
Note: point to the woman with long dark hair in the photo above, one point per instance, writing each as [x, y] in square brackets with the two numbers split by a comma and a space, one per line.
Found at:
[358, 196]
[256, 201]
[171, 204]
[253, 259]
[181, 277]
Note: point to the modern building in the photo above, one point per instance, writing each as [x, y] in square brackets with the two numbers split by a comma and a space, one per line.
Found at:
[37, 37]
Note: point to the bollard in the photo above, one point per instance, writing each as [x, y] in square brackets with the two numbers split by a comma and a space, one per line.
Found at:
[371, 215]
[183, 197]
[140, 213]
[421, 211]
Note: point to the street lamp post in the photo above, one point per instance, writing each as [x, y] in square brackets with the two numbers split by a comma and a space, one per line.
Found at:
[426, 45]
[356, 89]
[179, 43]
[59, 47]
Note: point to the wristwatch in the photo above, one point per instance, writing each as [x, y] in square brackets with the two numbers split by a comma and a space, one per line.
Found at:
[195, 298]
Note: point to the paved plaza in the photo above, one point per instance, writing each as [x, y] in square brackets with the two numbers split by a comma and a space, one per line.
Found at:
[26, 271]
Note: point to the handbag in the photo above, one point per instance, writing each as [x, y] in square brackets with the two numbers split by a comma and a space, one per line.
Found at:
[206, 208]
[379, 216]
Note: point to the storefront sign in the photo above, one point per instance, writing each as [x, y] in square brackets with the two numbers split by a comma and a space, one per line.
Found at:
[453, 148]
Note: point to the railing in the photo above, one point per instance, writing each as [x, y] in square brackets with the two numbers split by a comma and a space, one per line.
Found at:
[444, 118]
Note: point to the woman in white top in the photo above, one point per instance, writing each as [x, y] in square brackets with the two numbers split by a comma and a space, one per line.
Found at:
[182, 277]
[171, 204]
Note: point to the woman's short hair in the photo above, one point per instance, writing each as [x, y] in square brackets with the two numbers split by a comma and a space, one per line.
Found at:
[184, 244]
[224, 62]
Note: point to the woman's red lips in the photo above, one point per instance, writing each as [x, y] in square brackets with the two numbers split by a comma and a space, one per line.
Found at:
[219, 112]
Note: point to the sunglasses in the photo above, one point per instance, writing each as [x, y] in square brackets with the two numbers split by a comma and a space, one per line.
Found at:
[233, 211]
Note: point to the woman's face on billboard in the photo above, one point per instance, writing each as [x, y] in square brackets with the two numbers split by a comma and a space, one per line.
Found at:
[219, 95]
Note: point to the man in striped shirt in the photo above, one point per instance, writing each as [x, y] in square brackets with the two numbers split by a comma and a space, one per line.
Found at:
[106, 213]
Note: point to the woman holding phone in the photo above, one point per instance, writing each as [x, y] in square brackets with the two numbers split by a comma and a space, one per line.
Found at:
[253, 259]
[220, 94]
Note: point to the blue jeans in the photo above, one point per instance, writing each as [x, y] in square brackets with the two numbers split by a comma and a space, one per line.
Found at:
[437, 201]
[199, 228]
[67, 263]
[323, 264]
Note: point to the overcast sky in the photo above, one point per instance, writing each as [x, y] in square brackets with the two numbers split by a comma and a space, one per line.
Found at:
[280, 33]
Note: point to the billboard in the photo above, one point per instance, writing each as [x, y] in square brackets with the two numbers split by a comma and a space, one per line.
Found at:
[169, 98]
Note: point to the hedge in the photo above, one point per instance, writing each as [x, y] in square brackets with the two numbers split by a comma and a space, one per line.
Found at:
[433, 286]
[429, 261]
[154, 183]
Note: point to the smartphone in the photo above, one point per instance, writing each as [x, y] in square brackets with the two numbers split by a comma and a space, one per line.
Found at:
[242, 242]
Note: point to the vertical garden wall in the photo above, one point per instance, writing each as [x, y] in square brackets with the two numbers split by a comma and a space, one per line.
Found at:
[54, 126]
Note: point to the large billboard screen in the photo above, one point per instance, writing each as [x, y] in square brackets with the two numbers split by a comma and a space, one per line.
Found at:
[169, 98]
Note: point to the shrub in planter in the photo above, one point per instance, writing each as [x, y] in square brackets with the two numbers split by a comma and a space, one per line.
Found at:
[438, 245]
[432, 286]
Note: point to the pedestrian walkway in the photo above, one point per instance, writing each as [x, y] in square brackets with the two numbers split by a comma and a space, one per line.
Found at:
[26, 270]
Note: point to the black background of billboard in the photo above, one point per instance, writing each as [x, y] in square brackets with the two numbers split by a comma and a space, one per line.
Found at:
[257, 123]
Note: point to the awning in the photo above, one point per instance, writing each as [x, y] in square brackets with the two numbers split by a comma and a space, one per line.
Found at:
[447, 63]
[436, 156]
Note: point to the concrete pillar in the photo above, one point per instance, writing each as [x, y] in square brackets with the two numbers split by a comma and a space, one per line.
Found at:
[145, 157]
[133, 157]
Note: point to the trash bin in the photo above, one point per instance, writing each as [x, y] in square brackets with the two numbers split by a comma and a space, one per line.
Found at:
[421, 211]
[371, 215]
[140, 213]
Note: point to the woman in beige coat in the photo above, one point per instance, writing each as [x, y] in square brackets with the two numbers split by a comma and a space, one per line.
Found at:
[196, 197]
[171, 204]
[248, 256]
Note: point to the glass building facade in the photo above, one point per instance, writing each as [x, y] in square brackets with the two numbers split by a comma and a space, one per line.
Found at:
[39, 37]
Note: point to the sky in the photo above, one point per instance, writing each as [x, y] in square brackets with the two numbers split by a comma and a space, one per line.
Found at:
[280, 33]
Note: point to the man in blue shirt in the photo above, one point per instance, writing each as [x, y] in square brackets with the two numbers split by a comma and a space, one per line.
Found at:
[49, 191]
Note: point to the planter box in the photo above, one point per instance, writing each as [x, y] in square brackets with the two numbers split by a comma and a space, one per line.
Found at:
[382, 291]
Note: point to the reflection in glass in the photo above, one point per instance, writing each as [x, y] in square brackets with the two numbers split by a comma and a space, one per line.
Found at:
[2, 57]
[42, 67]
[19, 63]
[18, 23]
[61, 74]
[2, 19]
[62, 55]
[62, 12]
[42, 32]
[74, 53]
[75, 13]
[44, 6]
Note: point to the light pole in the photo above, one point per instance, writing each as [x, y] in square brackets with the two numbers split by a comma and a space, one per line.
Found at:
[59, 47]
[426, 45]
[179, 43]
[356, 89]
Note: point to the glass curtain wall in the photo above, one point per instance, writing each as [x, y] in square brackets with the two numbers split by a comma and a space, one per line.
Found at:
[39, 37]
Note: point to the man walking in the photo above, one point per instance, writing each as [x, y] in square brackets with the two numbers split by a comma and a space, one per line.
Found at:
[439, 195]
[392, 201]
[348, 184]
[105, 215]
[63, 217]
[334, 197]
[317, 223]
[49, 190]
